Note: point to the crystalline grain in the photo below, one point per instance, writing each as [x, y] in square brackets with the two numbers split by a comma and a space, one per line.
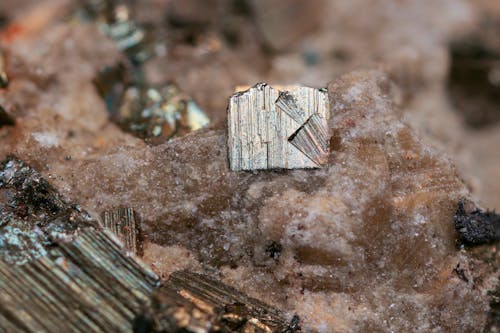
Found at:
[272, 129]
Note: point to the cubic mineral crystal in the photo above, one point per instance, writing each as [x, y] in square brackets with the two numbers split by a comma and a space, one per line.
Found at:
[196, 303]
[84, 284]
[273, 129]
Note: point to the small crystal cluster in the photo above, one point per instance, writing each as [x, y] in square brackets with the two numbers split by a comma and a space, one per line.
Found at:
[153, 113]
[157, 114]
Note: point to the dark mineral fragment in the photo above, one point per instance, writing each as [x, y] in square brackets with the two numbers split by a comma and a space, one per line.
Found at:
[4, 80]
[191, 302]
[476, 227]
[32, 213]
[5, 118]
[115, 20]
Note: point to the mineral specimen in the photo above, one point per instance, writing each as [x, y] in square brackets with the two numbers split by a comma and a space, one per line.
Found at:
[367, 241]
[124, 223]
[476, 227]
[195, 303]
[156, 114]
[85, 284]
[272, 129]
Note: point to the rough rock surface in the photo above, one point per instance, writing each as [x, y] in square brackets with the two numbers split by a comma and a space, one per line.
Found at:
[364, 244]
[367, 242]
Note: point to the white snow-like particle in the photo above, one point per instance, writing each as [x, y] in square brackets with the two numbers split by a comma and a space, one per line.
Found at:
[46, 139]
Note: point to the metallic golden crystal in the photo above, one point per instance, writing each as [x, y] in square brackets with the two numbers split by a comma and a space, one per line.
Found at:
[284, 128]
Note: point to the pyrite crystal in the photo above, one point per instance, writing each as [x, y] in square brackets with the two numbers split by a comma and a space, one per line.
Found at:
[59, 271]
[153, 113]
[33, 214]
[273, 129]
[157, 114]
[124, 223]
[196, 303]
[88, 283]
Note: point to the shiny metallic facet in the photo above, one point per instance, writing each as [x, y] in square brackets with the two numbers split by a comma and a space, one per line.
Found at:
[312, 139]
[273, 129]
[85, 284]
[191, 302]
[123, 223]
[157, 114]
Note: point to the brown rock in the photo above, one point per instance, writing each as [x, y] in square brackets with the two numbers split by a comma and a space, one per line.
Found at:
[367, 243]
[284, 24]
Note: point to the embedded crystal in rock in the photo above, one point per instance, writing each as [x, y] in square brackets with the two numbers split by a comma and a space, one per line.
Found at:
[272, 129]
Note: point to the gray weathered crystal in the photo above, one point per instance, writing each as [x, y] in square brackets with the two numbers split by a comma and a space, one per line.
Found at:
[273, 129]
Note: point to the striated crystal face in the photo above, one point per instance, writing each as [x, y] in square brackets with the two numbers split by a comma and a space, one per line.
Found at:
[273, 129]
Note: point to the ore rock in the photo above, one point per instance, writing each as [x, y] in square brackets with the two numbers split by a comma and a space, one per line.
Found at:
[476, 227]
[372, 229]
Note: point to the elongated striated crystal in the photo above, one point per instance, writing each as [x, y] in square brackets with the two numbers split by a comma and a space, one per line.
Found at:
[124, 224]
[85, 284]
